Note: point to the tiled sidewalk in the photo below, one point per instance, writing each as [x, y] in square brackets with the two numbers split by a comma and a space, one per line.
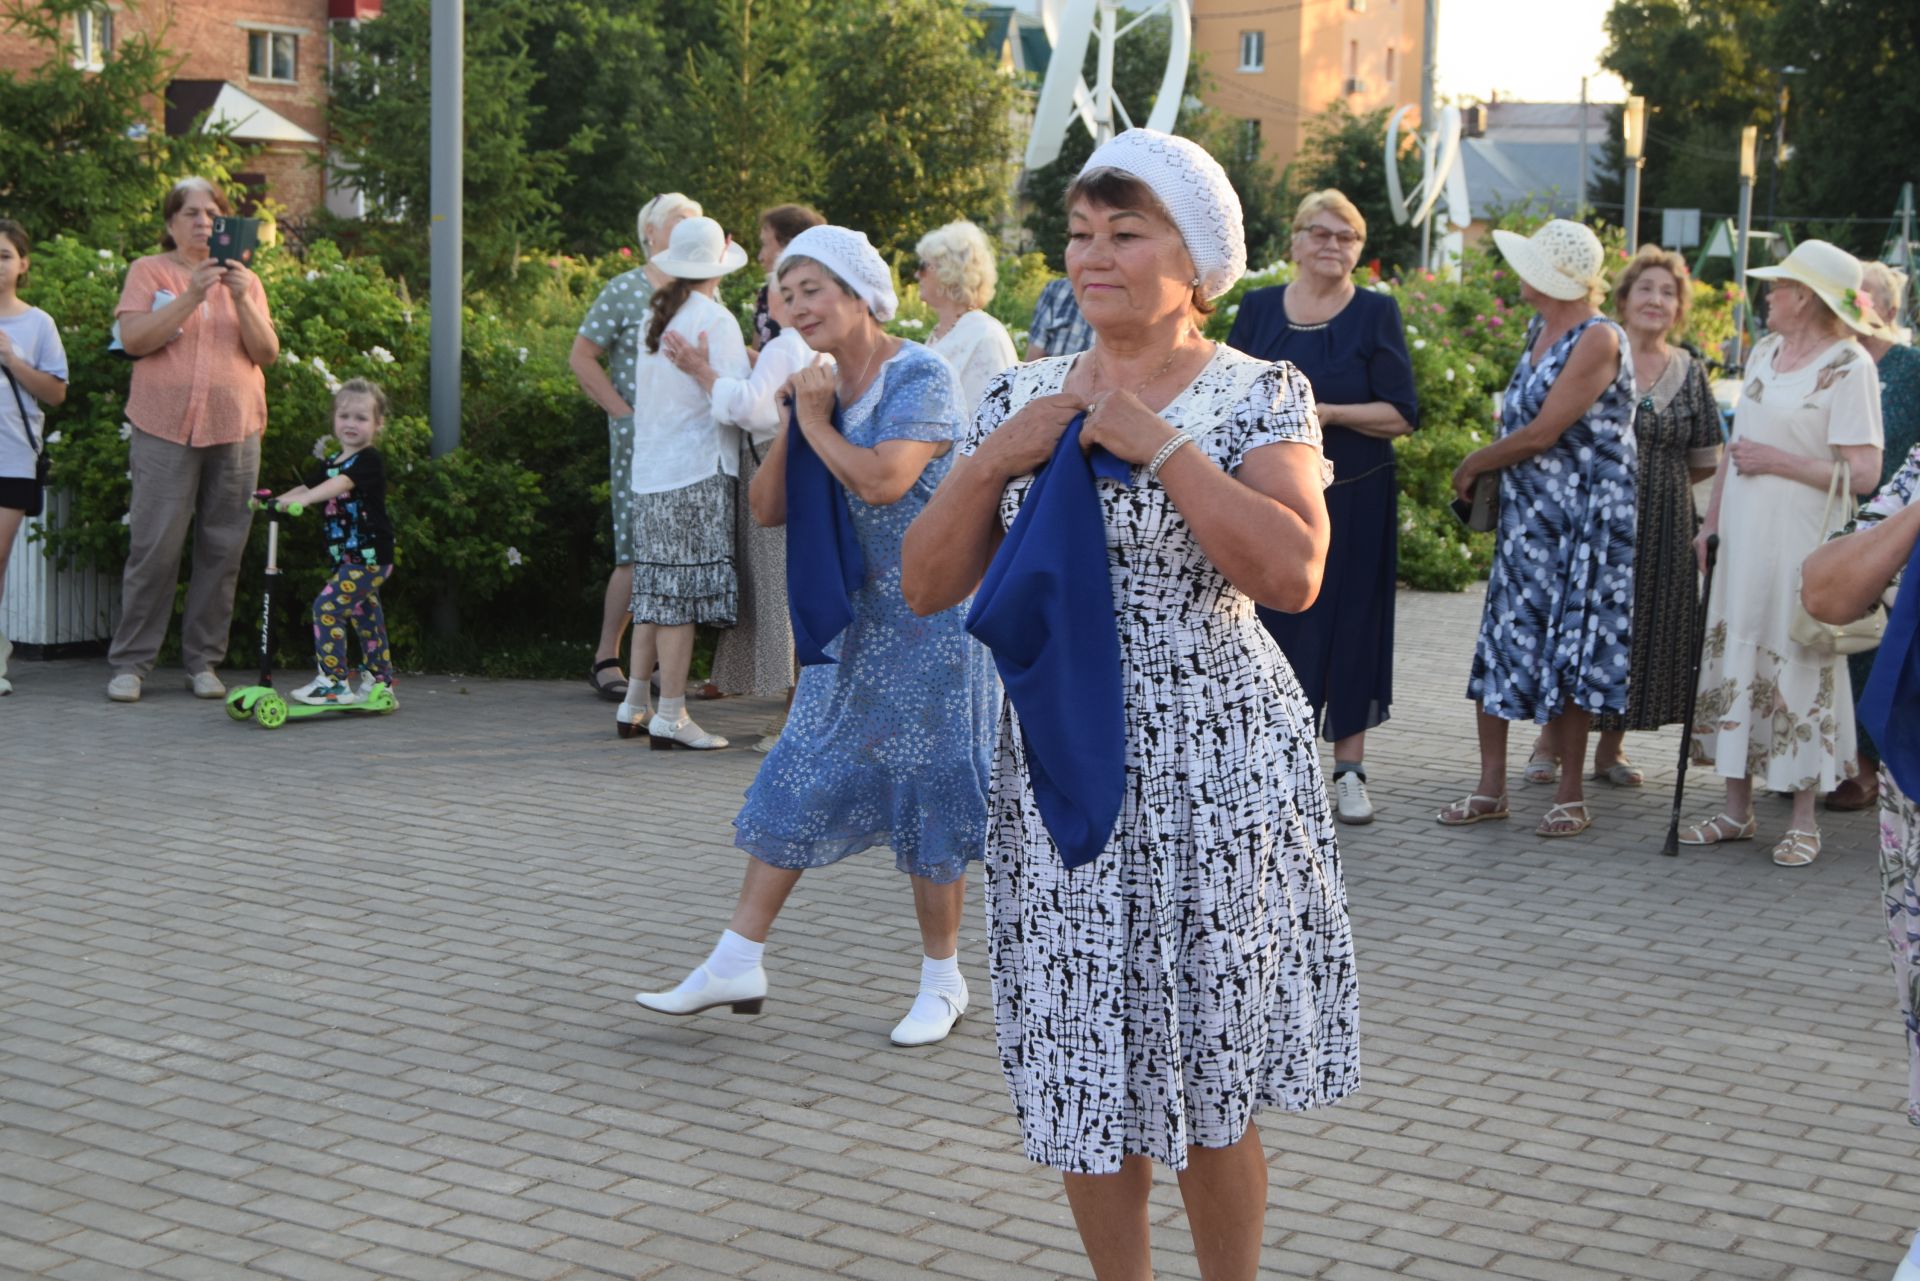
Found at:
[353, 1001]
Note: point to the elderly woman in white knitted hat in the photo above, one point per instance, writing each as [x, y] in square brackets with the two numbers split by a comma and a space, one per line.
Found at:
[1200, 966]
[612, 332]
[1806, 437]
[1555, 632]
[686, 467]
[889, 737]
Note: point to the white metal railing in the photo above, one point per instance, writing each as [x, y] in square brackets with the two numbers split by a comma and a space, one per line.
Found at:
[47, 605]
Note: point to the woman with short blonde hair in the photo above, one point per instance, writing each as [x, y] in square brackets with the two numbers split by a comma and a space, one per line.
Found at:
[1331, 201]
[957, 274]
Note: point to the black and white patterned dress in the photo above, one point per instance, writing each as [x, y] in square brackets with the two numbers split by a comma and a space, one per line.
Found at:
[1202, 967]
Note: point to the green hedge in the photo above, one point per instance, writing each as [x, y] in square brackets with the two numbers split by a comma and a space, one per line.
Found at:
[511, 529]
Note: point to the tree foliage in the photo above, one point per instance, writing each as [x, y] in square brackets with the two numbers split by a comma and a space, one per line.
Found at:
[78, 152]
[1709, 67]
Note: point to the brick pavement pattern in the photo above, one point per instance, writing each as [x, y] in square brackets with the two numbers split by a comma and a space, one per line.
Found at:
[244, 1039]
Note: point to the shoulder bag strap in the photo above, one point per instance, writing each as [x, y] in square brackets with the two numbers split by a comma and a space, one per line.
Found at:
[26, 423]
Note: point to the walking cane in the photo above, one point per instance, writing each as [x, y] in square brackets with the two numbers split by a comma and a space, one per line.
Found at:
[1672, 848]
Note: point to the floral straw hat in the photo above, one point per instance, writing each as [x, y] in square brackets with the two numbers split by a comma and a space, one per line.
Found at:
[1562, 259]
[1833, 275]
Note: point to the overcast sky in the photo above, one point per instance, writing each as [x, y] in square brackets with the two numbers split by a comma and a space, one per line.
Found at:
[1535, 50]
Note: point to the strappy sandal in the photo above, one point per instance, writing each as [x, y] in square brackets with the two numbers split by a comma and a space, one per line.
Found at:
[1541, 769]
[1462, 813]
[1622, 773]
[1720, 829]
[615, 690]
[1561, 822]
[1796, 848]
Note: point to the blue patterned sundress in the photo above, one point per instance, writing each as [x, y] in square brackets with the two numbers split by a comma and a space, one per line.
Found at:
[892, 745]
[1556, 631]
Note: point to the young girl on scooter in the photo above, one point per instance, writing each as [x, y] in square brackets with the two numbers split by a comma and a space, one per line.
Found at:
[353, 486]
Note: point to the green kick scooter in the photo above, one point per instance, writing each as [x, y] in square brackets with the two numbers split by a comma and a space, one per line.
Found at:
[261, 703]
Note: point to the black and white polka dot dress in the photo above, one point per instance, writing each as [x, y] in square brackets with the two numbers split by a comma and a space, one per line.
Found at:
[1202, 967]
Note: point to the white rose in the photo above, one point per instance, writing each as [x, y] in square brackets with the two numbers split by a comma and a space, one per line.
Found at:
[126, 431]
[53, 438]
[381, 356]
[513, 556]
[1419, 344]
[1449, 375]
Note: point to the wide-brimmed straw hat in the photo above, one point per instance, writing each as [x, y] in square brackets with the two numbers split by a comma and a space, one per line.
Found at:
[1562, 259]
[1832, 274]
[700, 250]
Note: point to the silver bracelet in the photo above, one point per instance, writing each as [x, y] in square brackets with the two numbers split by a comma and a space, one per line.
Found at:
[1167, 451]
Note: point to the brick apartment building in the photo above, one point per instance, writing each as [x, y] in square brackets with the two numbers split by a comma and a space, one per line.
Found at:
[258, 64]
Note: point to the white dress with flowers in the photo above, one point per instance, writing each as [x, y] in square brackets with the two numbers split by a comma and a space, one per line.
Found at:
[1769, 708]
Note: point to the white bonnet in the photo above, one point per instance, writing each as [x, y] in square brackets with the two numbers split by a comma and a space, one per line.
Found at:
[848, 255]
[1197, 196]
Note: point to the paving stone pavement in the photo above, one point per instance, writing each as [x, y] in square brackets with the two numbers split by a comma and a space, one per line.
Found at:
[352, 1000]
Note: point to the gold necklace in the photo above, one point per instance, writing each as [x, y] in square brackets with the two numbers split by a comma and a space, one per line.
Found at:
[1100, 367]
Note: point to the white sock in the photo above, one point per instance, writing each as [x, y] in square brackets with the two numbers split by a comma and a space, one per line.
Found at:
[942, 976]
[673, 709]
[734, 955]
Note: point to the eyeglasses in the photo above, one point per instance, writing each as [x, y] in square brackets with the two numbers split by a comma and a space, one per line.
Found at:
[1323, 236]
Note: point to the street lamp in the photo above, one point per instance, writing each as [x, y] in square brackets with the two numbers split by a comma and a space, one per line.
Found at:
[1749, 142]
[1779, 137]
[1633, 136]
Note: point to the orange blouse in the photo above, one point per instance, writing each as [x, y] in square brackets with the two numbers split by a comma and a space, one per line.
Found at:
[201, 388]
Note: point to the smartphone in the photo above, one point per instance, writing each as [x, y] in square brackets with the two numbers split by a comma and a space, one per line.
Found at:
[234, 239]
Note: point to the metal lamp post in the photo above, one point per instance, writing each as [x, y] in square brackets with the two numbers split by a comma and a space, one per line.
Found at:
[1633, 136]
[447, 93]
[1749, 141]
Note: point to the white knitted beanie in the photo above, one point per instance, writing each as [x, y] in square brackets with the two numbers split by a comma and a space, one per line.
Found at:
[1196, 193]
[848, 255]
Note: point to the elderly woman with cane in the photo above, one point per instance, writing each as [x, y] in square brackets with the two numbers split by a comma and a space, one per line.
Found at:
[1171, 951]
[1807, 430]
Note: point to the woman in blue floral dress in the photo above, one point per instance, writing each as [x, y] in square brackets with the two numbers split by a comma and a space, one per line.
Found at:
[891, 743]
[1555, 633]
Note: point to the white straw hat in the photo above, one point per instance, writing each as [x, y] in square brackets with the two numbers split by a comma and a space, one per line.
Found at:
[700, 250]
[1562, 259]
[1831, 273]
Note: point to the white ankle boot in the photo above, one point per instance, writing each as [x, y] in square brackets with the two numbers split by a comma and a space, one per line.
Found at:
[933, 1015]
[701, 991]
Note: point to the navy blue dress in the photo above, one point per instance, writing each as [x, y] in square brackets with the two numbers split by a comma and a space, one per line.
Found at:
[1341, 647]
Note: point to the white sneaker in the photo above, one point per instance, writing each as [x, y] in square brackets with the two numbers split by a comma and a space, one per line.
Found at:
[206, 685]
[124, 688]
[329, 694]
[933, 1015]
[319, 681]
[1350, 798]
[701, 991]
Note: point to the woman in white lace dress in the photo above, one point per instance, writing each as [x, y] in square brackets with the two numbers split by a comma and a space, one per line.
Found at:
[1148, 1003]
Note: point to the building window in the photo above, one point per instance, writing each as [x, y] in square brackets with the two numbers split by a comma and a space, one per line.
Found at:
[1249, 141]
[272, 55]
[1390, 64]
[1253, 51]
[92, 37]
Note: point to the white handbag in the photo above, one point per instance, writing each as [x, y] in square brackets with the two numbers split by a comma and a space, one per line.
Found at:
[1836, 639]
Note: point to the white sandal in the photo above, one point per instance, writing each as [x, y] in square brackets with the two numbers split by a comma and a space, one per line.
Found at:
[1796, 848]
[1720, 829]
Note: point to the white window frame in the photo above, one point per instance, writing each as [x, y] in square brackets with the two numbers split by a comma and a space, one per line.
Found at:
[273, 36]
[1253, 51]
[90, 50]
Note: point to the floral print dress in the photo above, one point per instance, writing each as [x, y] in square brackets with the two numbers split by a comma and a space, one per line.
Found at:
[1770, 709]
[1556, 630]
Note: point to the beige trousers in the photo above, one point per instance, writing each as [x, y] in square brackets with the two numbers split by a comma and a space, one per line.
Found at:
[174, 485]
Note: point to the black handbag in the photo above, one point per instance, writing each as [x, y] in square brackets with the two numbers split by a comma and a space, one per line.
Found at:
[41, 466]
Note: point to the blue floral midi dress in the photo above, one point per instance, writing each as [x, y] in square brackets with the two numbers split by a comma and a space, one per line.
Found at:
[893, 744]
[1555, 633]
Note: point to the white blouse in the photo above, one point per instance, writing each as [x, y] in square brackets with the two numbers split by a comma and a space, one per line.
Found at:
[978, 347]
[750, 401]
[678, 438]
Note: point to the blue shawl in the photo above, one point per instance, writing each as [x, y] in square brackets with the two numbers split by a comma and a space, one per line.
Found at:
[824, 563]
[1890, 703]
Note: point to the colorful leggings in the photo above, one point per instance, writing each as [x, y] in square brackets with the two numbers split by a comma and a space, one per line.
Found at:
[352, 597]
